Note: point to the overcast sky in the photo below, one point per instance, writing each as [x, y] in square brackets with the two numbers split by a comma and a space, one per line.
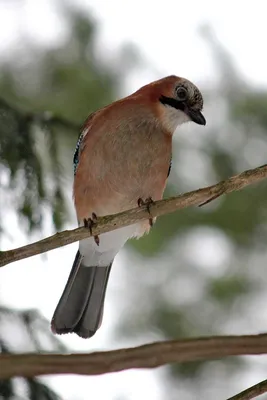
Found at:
[166, 33]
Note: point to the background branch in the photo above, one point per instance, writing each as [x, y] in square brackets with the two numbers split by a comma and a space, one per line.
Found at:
[44, 118]
[146, 356]
[252, 392]
[112, 222]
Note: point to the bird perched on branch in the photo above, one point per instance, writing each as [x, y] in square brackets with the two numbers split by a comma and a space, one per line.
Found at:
[122, 158]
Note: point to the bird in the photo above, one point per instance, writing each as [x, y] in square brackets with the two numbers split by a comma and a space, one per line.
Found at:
[122, 158]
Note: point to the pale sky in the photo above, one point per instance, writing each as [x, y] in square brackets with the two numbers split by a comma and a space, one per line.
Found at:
[166, 34]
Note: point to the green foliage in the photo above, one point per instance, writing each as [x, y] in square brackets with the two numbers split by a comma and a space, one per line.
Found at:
[251, 108]
[36, 147]
[226, 289]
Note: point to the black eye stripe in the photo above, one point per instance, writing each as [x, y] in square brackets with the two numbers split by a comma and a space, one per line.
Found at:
[169, 101]
[196, 101]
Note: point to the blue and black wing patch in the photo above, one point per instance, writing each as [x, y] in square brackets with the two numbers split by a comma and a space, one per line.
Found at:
[79, 145]
[77, 152]
[170, 167]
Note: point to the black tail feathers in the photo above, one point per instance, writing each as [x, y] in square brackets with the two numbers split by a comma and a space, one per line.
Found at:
[80, 308]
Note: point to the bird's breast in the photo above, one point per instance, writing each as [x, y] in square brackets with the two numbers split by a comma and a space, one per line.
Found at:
[118, 167]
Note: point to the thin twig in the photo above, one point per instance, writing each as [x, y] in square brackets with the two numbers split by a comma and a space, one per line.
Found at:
[112, 222]
[252, 392]
[146, 356]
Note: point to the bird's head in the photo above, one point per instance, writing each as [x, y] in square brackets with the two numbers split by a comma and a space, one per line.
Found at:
[177, 100]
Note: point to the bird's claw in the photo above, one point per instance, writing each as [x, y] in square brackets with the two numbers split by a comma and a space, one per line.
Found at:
[148, 203]
[90, 223]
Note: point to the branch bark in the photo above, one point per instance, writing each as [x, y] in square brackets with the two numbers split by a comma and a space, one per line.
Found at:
[146, 356]
[112, 222]
[252, 392]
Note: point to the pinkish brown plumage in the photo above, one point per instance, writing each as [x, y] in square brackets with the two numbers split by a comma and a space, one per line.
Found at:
[124, 154]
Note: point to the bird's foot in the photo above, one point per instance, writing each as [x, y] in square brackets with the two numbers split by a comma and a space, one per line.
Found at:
[148, 203]
[91, 223]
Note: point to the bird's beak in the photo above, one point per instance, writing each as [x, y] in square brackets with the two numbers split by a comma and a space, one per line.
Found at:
[196, 116]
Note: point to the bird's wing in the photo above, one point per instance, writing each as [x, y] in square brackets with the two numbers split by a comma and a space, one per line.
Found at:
[170, 167]
[79, 146]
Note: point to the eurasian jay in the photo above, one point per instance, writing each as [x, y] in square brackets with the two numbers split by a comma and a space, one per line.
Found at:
[123, 154]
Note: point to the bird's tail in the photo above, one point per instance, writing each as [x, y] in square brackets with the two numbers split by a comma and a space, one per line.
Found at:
[80, 308]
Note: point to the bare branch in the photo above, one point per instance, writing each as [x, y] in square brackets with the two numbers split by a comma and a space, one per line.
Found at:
[112, 222]
[252, 392]
[146, 356]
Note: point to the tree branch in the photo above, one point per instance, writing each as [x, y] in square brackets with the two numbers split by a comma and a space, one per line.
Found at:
[146, 356]
[252, 392]
[44, 118]
[112, 222]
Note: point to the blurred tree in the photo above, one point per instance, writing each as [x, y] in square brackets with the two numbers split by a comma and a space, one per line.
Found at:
[200, 270]
[48, 93]
[32, 335]
[36, 146]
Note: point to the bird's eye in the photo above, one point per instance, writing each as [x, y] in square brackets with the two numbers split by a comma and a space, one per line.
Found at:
[181, 93]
